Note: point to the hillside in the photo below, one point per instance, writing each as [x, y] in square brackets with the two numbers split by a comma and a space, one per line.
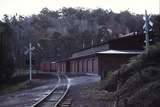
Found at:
[61, 32]
[137, 84]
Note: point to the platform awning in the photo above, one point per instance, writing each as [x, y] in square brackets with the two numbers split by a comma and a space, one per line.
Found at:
[120, 52]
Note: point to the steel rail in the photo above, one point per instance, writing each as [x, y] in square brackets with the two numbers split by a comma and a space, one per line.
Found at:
[43, 98]
[65, 93]
[61, 97]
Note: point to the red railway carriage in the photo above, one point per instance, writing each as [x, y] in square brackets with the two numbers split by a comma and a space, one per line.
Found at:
[45, 66]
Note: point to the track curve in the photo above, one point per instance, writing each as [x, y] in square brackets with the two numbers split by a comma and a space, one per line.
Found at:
[55, 96]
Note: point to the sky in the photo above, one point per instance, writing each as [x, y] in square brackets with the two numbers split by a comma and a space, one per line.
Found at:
[29, 7]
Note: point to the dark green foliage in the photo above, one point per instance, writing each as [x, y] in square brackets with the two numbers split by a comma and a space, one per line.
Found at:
[63, 31]
[139, 81]
[6, 55]
[156, 27]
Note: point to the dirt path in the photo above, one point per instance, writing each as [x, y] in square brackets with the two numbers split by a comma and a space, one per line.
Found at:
[84, 92]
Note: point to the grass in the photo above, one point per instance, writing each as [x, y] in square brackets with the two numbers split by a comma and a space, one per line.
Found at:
[14, 87]
[22, 83]
[137, 80]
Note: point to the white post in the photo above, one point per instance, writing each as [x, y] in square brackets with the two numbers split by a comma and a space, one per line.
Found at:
[92, 43]
[159, 6]
[147, 31]
[83, 45]
[30, 61]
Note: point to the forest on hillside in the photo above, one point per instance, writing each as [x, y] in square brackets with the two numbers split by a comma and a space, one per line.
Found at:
[56, 34]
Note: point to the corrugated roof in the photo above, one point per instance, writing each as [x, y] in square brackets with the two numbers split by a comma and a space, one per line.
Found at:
[120, 52]
[91, 51]
[129, 35]
[108, 52]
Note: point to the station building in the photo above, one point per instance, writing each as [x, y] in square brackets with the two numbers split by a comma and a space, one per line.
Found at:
[104, 57]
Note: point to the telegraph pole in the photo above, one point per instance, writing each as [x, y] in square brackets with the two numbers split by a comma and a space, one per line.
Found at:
[147, 31]
[29, 51]
[30, 61]
[159, 6]
[147, 28]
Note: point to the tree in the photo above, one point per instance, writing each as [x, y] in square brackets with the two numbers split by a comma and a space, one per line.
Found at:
[68, 29]
[156, 27]
[6, 53]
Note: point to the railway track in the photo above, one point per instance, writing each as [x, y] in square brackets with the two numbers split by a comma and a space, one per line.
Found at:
[55, 96]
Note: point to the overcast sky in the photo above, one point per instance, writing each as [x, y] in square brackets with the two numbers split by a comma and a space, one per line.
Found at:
[28, 7]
